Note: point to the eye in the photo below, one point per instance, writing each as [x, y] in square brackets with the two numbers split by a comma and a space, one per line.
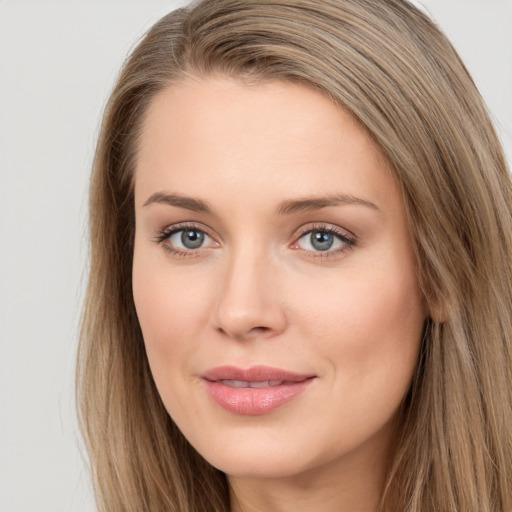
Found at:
[189, 239]
[324, 240]
[184, 240]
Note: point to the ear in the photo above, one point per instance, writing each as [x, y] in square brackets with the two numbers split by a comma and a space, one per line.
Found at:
[437, 310]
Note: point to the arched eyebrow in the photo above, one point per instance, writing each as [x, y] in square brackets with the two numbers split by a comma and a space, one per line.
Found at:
[287, 207]
[316, 203]
[189, 203]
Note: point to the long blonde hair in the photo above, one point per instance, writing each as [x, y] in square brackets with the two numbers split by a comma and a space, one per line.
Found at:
[388, 65]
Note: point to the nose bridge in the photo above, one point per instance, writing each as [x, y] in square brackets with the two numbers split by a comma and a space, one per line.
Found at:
[248, 302]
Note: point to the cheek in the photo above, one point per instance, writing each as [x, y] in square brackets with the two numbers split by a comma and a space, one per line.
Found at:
[169, 309]
[369, 329]
[170, 313]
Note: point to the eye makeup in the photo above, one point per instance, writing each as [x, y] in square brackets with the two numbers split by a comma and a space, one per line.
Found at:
[312, 240]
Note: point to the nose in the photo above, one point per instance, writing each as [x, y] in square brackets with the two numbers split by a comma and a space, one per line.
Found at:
[249, 303]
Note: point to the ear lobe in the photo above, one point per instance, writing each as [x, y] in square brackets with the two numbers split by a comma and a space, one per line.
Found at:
[436, 308]
[437, 311]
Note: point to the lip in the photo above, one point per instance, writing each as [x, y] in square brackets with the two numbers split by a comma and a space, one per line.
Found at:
[232, 388]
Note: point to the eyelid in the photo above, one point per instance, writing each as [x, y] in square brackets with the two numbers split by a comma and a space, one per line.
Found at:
[343, 234]
[181, 226]
[163, 236]
[323, 226]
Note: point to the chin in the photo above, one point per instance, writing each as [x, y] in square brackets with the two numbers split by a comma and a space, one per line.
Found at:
[264, 456]
[260, 466]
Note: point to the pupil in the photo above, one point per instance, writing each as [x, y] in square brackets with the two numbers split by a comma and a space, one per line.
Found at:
[192, 239]
[321, 241]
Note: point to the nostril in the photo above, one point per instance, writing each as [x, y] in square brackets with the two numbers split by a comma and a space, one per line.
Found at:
[243, 311]
[253, 332]
[258, 331]
[261, 329]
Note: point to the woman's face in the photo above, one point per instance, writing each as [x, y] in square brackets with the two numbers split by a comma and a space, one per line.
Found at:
[274, 277]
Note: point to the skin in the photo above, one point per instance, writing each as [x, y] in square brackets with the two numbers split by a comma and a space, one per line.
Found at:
[257, 292]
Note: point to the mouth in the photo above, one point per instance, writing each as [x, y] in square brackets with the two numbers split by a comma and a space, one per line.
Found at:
[254, 391]
[249, 384]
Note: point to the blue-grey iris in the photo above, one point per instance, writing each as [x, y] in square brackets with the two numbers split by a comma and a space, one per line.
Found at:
[192, 239]
[321, 240]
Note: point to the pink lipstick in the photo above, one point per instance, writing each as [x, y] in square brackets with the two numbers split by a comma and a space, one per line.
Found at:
[256, 390]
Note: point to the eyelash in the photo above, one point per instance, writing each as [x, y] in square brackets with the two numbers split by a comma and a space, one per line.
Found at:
[348, 241]
[163, 237]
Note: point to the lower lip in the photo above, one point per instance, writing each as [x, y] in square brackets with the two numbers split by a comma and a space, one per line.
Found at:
[254, 401]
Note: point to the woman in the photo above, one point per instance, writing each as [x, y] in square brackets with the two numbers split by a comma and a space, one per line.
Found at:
[299, 295]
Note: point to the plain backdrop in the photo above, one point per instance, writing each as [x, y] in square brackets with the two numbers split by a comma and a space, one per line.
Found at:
[58, 61]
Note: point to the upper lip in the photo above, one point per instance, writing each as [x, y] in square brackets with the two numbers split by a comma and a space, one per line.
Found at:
[254, 374]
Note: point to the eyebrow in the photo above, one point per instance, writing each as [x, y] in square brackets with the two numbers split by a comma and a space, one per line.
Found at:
[188, 203]
[316, 203]
[287, 207]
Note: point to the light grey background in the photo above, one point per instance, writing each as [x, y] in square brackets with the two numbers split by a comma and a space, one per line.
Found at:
[58, 61]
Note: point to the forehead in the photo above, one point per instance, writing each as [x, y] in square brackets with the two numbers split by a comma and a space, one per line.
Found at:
[274, 136]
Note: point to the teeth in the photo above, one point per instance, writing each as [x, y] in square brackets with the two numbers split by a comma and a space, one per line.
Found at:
[235, 383]
[246, 384]
[262, 384]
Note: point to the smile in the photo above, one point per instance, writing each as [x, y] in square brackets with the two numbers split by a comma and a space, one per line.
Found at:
[255, 391]
[248, 384]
